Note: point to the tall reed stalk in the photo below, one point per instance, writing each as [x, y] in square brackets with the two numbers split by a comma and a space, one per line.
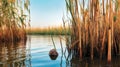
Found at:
[14, 17]
[95, 28]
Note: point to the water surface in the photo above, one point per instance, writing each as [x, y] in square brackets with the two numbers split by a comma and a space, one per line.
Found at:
[35, 53]
[40, 47]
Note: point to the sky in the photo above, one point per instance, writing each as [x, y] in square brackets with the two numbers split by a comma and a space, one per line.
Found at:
[46, 13]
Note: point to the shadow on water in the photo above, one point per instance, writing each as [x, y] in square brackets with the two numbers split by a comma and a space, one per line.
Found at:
[74, 62]
[87, 62]
[14, 55]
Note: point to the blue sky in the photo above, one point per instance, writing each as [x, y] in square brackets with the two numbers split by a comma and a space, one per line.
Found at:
[46, 13]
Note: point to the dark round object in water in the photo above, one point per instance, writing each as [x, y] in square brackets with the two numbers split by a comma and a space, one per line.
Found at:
[53, 54]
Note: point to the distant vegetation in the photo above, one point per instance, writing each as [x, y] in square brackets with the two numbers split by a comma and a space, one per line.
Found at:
[48, 31]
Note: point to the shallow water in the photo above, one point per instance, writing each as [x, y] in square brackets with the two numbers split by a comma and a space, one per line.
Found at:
[35, 53]
[40, 47]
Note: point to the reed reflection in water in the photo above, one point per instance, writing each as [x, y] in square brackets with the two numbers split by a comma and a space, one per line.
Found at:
[14, 55]
[35, 53]
[75, 62]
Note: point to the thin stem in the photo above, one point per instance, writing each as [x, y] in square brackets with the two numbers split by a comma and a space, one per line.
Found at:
[53, 42]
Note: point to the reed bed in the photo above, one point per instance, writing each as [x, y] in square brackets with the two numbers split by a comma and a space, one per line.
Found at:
[48, 31]
[14, 17]
[95, 28]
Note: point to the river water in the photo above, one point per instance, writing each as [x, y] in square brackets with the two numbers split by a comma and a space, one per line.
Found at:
[35, 53]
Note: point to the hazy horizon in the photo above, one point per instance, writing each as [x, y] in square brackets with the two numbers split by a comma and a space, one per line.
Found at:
[45, 13]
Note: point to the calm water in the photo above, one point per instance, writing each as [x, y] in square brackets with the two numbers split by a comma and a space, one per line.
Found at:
[40, 47]
[35, 53]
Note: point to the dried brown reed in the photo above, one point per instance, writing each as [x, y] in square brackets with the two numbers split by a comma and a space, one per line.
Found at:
[14, 15]
[95, 28]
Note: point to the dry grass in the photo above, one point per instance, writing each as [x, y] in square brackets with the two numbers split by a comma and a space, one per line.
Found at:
[96, 27]
[13, 19]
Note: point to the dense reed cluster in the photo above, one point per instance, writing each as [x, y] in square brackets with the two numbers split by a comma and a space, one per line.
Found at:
[95, 28]
[14, 16]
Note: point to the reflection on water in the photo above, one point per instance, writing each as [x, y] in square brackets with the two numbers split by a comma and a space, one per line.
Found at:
[74, 62]
[40, 47]
[35, 53]
[14, 55]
